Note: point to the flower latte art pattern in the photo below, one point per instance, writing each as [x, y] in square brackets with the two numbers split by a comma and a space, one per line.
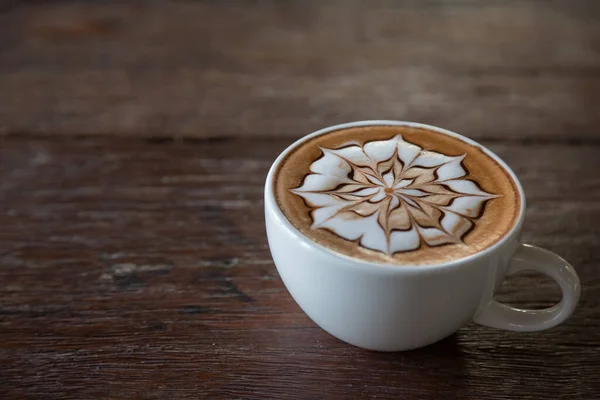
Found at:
[392, 196]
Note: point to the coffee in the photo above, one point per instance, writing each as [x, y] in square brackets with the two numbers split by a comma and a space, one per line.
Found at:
[396, 194]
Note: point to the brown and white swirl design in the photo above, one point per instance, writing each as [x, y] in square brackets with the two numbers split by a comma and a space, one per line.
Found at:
[392, 196]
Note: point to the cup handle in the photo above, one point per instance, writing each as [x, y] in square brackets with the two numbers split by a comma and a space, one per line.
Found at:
[532, 258]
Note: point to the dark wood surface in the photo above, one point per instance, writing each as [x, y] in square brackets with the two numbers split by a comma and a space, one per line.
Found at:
[134, 142]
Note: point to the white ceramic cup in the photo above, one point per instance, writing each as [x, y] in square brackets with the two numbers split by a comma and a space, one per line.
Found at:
[392, 308]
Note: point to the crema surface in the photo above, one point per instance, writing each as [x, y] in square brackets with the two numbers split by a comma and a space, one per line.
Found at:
[396, 194]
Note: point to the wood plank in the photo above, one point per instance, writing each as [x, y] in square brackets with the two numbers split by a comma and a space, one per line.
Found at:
[499, 69]
[138, 268]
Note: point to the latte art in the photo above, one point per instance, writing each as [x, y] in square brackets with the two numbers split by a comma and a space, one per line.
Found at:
[392, 196]
[396, 194]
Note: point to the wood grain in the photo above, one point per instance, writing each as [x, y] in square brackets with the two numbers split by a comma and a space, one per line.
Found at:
[497, 69]
[135, 138]
[138, 268]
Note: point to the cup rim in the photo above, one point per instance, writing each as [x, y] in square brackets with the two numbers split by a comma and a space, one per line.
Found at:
[270, 199]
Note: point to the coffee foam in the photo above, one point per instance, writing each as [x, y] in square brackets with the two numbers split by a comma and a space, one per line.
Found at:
[396, 194]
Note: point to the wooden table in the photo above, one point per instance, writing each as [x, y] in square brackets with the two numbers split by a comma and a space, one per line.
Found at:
[134, 142]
